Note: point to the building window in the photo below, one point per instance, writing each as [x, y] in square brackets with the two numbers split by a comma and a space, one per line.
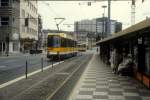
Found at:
[23, 28]
[4, 21]
[4, 3]
[23, 13]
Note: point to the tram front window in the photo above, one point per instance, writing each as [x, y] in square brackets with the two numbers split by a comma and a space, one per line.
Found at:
[50, 41]
[53, 41]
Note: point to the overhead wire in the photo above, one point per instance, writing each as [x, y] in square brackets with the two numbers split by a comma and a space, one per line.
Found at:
[52, 10]
[56, 14]
[82, 12]
[48, 5]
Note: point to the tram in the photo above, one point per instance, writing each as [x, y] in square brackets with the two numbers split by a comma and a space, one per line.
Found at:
[81, 47]
[60, 46]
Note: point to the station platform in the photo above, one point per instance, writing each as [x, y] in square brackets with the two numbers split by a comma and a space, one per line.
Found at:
[99, 83]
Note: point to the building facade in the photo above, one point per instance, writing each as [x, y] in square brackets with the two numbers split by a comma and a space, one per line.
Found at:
[9, 26]
[28, 33]
[101, 27]
[13, 32]
[97, 26]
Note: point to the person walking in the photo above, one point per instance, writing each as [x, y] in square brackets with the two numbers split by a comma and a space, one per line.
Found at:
[97, 50]
[114, 60]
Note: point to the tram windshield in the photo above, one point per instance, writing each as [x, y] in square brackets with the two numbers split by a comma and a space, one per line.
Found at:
[53, 41]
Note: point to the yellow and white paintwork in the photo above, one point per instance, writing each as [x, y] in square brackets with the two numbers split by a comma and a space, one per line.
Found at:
[61, 50]
[61, 35]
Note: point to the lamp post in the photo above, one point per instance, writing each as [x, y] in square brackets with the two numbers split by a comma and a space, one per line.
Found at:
[7, 42]
[108, 20]
[103, 32]
[104, 6]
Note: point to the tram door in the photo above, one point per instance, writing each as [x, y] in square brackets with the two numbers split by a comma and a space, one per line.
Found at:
[141, 57]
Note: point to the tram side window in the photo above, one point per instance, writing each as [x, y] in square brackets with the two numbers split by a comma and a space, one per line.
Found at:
[66, 42]
[63, 42]
[70, 42]
[56, 41]
[50, 41]
[74, 43]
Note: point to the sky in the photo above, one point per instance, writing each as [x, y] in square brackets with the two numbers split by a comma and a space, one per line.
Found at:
[75, 11]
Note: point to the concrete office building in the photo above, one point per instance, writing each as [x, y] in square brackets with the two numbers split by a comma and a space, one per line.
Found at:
[87, 25]
[9, 26]
[13, 33]
[28, 34]
[83, 28]
[85, 31]
[95, 26]
[101, 27]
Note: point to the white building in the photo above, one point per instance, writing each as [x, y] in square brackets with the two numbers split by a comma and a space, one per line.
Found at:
[9, 26]
[28, 9]
[12, 24]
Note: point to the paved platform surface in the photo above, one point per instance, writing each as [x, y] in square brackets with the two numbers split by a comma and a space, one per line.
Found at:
[99, 83]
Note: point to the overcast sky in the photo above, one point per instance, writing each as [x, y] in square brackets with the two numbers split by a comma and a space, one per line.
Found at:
[76, 11]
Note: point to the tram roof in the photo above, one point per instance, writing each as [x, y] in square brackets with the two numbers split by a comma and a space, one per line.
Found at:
[82, 43]
[129, 31]
[63, 35]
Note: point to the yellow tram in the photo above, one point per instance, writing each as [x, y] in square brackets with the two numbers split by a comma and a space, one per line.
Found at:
[82, 47]
[60, 46]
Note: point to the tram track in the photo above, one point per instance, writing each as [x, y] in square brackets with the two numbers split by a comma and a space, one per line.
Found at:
[40, 86]
[64, 90]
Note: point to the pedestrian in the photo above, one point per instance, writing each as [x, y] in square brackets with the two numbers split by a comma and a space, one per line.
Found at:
[114, 60]
[125, 67]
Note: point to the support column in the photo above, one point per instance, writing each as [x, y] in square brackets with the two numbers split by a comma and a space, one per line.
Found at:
[5, 47]
[10, 48]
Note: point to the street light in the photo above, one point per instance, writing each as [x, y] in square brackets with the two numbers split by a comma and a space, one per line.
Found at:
[7, 42]
[104, 6]
[109, 17]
